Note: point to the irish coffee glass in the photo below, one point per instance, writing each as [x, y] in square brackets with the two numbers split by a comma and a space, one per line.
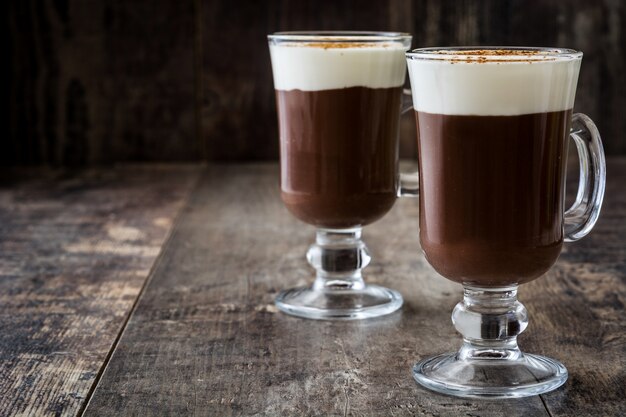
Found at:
[493, 127]
[339, 98]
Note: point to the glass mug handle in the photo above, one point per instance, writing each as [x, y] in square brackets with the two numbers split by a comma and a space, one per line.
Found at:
[410, 181]
[582, 216]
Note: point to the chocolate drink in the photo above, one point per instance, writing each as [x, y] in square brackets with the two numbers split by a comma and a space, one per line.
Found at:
[491, 194]
[338, 109]
[339, 168]
[492, 140]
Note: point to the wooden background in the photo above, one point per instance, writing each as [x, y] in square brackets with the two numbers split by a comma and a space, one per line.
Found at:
[96, 82]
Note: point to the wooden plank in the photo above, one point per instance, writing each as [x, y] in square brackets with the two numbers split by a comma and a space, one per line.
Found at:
[95, 82]
[75, 251]
[206, 338]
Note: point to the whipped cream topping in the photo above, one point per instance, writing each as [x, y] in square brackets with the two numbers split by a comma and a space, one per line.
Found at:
[319, 65]
[492, 83]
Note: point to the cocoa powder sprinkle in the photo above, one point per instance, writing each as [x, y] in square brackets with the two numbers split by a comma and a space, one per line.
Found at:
[478, 56]
[342, 45]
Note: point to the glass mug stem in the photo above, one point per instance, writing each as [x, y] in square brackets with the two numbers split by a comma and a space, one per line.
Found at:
[490, 319]
[339, 292]
[338, 256]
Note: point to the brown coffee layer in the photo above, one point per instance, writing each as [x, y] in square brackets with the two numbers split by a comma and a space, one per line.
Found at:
[339, 154]
[491, 194]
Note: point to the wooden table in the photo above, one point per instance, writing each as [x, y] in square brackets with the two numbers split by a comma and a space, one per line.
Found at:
[147, 290]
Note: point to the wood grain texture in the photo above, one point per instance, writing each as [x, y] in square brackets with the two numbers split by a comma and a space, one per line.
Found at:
[75, 251]
[93, 82]
[206, 339]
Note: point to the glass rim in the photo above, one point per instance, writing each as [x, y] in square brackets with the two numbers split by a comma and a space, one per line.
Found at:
[339, 36]
[536, 54]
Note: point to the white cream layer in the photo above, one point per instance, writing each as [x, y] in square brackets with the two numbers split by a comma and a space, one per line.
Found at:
[493, 88]
[313, 68]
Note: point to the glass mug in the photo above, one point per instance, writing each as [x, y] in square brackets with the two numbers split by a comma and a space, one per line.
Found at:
[493, 127]
[339, 99]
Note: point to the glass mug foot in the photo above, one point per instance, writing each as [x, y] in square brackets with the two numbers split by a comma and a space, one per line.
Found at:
[339, 292]
[490, 363]
[370, 301]
[524, 376]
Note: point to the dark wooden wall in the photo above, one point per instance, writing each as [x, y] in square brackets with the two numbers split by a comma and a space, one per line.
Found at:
[185, 80]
